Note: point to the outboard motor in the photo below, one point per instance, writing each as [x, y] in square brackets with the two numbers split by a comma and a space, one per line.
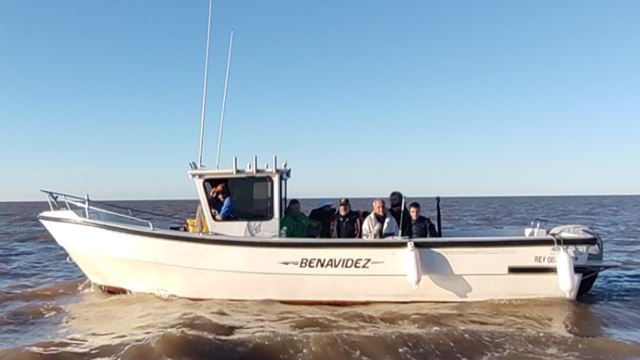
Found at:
[596, 252]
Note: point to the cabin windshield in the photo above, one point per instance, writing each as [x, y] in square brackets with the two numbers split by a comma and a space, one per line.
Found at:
[251, 197]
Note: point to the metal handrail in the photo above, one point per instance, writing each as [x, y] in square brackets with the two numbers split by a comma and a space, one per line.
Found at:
[84, 203]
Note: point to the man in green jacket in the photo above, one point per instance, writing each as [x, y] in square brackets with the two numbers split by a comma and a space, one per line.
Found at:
[294, 223]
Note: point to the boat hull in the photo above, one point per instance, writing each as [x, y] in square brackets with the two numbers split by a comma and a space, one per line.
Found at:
[205, 267]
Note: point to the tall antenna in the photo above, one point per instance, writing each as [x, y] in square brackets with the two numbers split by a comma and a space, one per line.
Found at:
[224, 99]
[401, 217]
[204, 87]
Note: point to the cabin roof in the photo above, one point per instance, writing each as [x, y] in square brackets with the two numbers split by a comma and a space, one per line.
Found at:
[252, 169]
[238, 172]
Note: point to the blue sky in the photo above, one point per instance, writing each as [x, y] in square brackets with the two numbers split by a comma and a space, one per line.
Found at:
[361, 97]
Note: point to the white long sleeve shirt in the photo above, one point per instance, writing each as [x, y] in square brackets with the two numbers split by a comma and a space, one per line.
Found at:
[371, 227]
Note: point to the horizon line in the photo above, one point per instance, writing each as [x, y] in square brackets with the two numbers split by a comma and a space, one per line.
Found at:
[363, 197]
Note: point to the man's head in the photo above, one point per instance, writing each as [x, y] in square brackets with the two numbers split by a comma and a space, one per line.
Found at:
[414, 210]
[395, 199]
[294, 206]
[378, 207]
[343, 206]
[220, 191]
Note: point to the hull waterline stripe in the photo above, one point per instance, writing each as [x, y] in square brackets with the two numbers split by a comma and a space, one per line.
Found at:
[310, 243]
[531, 270]
[579, 269]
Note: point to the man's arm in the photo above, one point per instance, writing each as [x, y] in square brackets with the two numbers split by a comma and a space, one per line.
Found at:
[366, 229]
[333, 228]
[392, 228]
[432, 230]
[285, 227]
[226, 212]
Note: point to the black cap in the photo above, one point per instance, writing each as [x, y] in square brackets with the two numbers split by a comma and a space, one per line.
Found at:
[343, 201]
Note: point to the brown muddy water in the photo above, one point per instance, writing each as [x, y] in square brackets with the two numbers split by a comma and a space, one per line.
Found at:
[48, 310]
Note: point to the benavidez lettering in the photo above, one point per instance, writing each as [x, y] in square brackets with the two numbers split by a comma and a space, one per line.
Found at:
[335, 263]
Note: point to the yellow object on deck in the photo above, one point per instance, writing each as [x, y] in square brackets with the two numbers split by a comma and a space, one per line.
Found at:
[197, 224]
[192, 225]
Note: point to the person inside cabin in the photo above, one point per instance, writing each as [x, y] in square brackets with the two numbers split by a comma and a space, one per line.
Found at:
[421, 227]
[320, 220]
[222, 202]
[380, 223]
[346, 223]
[294, 224]
[399, 213]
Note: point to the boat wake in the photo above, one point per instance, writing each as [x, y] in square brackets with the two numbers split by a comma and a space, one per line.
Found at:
[144, 326]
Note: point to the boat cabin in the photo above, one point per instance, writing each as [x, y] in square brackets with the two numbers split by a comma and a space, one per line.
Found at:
[258, 197]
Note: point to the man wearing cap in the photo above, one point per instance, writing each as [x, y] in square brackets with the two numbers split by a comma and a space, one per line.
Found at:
[222, 202]
[321, 219]
[346, 223]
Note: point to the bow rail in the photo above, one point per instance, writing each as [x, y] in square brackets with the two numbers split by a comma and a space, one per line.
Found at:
[62, 201]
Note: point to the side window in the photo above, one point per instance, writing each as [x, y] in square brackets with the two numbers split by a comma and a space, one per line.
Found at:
[251, 198]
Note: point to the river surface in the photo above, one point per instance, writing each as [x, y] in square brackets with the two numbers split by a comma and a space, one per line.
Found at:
[48, 310]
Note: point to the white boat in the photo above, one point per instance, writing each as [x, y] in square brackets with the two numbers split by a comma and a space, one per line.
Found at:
[246, 259]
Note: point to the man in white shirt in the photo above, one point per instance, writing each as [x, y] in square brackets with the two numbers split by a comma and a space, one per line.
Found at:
[380, 223]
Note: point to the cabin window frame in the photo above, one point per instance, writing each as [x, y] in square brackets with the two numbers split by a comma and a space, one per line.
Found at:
[208, 184]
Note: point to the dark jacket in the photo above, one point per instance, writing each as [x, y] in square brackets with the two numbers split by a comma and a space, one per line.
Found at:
[406, 220]
[422, 227]
[347, 226]
[323, 215]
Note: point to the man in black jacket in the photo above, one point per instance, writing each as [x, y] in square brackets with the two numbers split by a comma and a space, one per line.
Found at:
[346, 223]
[395, 208]
[421, 227]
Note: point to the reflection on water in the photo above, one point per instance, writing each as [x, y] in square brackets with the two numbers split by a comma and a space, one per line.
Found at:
[48, 310]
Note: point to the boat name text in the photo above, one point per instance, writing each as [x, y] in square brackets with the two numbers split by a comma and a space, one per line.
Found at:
[331, 263]
[343, 263]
